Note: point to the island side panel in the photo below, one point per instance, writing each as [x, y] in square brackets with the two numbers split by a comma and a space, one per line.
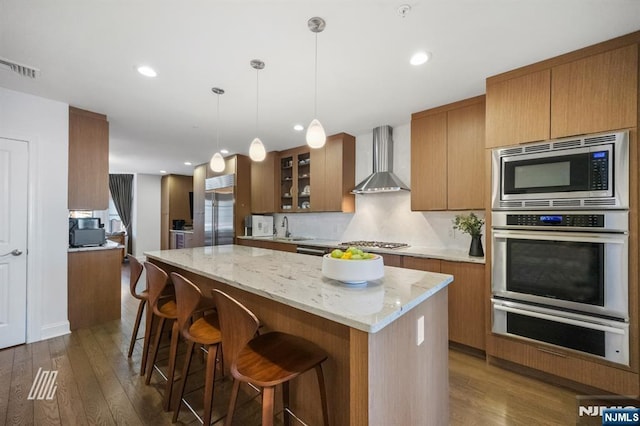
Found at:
[331, 336]
[409, 384]
[359, 377]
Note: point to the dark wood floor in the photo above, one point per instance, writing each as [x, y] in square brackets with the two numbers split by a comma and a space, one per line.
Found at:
[97, 384]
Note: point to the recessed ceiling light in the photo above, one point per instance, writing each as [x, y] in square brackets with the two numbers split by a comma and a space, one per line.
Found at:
[163, 171]
[147, 71]
[187, 163]
[224, 151]
[420, 58]
[298, 127]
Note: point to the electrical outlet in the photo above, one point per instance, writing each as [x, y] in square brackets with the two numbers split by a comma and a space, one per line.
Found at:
[420, 331]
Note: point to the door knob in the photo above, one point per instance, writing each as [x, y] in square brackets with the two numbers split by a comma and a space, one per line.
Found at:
[15, 252]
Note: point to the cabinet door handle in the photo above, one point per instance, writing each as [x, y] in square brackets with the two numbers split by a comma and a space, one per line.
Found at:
[551, 352]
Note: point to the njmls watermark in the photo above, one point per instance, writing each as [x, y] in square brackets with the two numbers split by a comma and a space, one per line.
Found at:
[44, 385]
[607, 410]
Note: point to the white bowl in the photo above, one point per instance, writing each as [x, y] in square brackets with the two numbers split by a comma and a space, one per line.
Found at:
[353, 271]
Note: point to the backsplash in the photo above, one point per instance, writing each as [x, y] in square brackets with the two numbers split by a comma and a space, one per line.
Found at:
[382, 217]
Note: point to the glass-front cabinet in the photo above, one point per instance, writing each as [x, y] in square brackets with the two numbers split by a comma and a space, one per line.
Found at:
[317, 180]
[295, 180]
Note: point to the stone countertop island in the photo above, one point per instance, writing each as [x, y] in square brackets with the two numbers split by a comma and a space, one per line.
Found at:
[377, 372]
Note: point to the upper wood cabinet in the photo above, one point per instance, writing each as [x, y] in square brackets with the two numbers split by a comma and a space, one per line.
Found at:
[88, 160]
[588, 91]
[446, 143]
[518, 109]
[429, 162]
[318, 180]
[595, 94]
[263, 184]
[334, 178]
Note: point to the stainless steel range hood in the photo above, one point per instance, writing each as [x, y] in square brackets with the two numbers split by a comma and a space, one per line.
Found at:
[382, 179]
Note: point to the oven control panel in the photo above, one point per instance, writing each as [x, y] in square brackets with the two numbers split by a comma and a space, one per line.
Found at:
[565, 220]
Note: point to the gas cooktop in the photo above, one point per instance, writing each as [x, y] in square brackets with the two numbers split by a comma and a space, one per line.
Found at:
[374, 244]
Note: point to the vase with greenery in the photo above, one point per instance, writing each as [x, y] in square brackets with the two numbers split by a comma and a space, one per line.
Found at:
[472, 225]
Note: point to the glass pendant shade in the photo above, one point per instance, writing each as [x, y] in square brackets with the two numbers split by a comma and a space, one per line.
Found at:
[257, 151]
[217, 163]
[316, 137]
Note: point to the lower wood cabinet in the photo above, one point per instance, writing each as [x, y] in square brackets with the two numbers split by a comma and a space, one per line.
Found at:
[271, 245]
[467, 299]
[467, 303]
[93, 295]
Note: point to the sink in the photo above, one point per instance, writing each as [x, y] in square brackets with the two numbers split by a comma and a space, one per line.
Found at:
[292, 238]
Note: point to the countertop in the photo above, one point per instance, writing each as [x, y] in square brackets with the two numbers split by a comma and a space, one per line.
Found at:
[417, 251]
[296, 280]
[109, 245]
[184, 231]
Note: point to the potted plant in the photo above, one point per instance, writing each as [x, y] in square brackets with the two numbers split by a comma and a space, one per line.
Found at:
[472, 225]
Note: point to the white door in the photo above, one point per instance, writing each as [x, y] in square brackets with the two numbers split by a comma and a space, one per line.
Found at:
[13, 242]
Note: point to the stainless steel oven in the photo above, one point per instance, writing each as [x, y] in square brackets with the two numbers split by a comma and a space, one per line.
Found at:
[586, 172]
[572, 261]
[604, 338]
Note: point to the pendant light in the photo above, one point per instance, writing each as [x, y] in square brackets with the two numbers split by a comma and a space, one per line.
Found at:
[217, 163]
[316, 137]
[256, 149]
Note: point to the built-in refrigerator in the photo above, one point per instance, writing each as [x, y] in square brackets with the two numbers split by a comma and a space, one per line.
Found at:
[219, 204]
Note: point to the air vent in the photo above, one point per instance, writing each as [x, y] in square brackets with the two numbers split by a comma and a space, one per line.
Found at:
[600, 139]
[566, 203]
[537, 148]
[601, 202]
[567, 144]
[511, 151]
[511, 204]
[23, 70]
[541, 203]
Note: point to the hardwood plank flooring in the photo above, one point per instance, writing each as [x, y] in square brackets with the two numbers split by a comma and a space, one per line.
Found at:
[98, 385]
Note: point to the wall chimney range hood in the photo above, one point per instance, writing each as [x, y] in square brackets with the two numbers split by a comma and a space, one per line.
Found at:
[382, 179]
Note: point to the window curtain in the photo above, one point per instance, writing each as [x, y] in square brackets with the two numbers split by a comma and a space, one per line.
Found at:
[121, 188]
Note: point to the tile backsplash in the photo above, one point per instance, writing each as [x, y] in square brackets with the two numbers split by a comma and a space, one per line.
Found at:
[382, 217]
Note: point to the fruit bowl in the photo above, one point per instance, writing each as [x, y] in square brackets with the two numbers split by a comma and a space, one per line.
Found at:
[353, 271]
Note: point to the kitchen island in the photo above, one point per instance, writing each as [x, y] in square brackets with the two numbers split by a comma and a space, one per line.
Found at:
[377, 373]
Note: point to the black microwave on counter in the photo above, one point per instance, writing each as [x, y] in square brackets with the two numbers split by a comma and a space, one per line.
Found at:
[86, 232]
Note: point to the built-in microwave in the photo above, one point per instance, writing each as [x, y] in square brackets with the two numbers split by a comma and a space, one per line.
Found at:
[585, 172]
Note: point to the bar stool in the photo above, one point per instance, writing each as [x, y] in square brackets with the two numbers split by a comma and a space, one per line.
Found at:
[203, 331]
[163, 307]
[135, 272]
[265, 360]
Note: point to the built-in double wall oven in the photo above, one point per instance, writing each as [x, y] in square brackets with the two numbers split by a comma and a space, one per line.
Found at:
[560, 276]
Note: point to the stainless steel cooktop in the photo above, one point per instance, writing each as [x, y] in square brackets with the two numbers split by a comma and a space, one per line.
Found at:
[374, 244]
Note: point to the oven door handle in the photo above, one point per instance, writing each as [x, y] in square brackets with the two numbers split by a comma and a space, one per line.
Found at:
[563, 320]
[588, 238]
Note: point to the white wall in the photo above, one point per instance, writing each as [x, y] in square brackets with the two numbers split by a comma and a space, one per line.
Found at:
[45, 125]
[146, 214]
[386, 216]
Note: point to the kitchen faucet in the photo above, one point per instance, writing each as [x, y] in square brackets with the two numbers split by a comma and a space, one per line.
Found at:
[285, 223]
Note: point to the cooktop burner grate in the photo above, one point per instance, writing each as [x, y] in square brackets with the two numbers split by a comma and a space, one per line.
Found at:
[375, 244]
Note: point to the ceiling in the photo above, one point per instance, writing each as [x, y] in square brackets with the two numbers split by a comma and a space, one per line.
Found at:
[88, 50]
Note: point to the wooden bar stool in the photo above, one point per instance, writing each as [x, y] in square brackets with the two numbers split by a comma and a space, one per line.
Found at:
[265, 360]
[135, 272]
[203, 331]
[162, 304]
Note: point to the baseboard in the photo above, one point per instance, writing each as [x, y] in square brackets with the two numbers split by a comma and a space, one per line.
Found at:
[478, 353]
[54, 330]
